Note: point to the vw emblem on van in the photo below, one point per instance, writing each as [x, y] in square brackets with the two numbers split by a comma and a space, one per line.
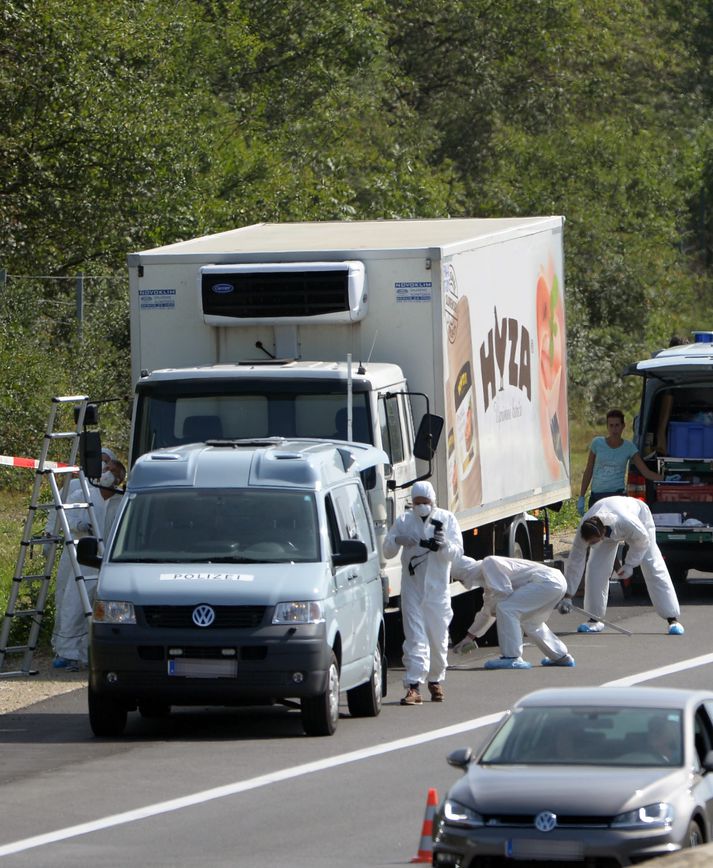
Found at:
[222, 288]
[546, 821]
[203, 616]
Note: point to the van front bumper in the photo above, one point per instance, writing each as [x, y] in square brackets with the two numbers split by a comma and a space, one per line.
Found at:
[134, 664]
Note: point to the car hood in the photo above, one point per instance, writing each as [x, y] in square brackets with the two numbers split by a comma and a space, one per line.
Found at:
[220, 584]
[570, 789]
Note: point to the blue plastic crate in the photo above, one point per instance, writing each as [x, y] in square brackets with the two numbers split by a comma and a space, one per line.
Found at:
[690, 440]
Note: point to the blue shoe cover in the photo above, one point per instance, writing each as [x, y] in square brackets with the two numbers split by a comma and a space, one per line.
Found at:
[60, 663]
[564, 660]
[675, 629]
[590, 627]
[507, 663]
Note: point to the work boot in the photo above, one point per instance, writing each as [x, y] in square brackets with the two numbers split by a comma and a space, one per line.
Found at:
[507, 663]
[436, 691]
[564, 660]
[674, 628]
[413, 696]
[591, 627]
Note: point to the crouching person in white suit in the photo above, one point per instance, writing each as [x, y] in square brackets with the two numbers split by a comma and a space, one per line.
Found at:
[520, 595]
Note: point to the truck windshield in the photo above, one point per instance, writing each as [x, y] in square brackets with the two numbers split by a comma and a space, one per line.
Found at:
[168, 414]
[218, 526]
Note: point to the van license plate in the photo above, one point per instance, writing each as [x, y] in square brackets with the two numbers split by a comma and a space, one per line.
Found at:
[183, 667]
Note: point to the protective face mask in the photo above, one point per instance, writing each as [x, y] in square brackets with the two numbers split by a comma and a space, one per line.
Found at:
[106, 480]
[423, 509]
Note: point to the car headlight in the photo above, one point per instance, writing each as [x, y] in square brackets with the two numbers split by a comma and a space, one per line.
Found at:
[658, 814]
[113, 612]
[299, 612]
[460, 814]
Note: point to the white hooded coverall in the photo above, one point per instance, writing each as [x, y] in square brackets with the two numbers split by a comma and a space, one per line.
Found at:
[520, 595]
[626, 520]
[70, 635]
[425, 596]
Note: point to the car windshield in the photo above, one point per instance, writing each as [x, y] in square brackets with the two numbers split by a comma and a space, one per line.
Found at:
[218, 526]
[588, 736]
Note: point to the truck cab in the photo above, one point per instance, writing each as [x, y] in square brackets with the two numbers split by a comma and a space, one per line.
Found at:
[240, 572]
[674, 434]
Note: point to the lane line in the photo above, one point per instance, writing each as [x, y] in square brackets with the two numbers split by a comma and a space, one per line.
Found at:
[244, 786]
[305, 769]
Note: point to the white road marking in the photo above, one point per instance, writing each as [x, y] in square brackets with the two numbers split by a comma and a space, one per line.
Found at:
[305, 769]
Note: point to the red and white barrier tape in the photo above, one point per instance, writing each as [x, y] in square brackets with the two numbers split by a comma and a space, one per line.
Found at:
[33, 463]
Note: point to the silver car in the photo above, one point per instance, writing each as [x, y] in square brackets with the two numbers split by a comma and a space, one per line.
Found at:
[604, 775]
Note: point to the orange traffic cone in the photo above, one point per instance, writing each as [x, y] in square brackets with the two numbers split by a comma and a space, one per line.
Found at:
[425, 849]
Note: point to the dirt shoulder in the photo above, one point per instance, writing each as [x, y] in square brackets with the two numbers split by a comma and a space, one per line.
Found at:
[19, 691]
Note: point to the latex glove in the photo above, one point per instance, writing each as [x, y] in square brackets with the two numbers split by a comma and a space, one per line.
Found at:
[564, 606]
[465, 646]
[439, 536]
[580, 505]
[406, 541]
[625, 571]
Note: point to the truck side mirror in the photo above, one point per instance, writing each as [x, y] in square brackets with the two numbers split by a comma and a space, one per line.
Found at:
[351, 551]
[427, 436]
[90, 451]
[87, 552]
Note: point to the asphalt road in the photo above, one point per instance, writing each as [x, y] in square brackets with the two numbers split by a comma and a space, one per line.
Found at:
[246, 787]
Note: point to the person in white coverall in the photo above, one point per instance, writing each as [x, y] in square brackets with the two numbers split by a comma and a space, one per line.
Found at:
[607, 524]
[520, 595]
[70, 635]
[429, 539]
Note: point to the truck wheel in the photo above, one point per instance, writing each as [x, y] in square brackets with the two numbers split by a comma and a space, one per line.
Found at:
[694, 836]
[106, 716]
[365, 700]
[320, 714]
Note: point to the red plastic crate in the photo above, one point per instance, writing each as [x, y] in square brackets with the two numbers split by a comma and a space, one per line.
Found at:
[693, 493]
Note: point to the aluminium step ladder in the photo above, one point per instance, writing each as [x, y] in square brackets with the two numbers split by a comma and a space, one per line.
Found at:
[29, 591]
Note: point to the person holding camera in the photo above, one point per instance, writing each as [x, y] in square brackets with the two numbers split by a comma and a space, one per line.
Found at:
[430, 540]
[521, 595]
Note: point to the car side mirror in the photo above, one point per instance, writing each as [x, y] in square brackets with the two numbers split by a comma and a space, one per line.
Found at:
[88, 552]
[427, 436]
[351, 551]
[460, 758]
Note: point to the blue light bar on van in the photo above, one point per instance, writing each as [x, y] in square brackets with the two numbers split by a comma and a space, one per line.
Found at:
[702, 337]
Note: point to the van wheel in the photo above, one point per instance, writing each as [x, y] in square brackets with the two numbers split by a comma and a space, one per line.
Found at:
[694, 836]
[106, 716]
[365, 700]
[320, 714]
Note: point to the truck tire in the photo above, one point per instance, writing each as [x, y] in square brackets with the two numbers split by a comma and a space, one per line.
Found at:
[365, 700]
[320, 714]
[106, 716]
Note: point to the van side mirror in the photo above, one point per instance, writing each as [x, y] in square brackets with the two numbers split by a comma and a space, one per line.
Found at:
[90, 452]
[351, 551]
[428, 436]
[88, 552]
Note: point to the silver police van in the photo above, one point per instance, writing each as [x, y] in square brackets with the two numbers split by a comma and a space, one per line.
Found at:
[240, 572]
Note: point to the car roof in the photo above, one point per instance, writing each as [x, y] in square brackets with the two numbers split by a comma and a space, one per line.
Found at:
[625, 696]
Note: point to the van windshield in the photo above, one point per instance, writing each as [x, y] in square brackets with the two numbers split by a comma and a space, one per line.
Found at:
[172, 413]
[218, 526]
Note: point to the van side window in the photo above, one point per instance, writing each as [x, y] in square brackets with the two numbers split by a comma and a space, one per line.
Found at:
[351, 515]
[332, 524]
[391, 434]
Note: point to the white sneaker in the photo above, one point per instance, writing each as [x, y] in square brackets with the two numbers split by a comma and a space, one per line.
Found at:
[590, 627]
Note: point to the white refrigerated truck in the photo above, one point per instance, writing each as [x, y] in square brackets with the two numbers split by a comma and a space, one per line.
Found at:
[349, 330]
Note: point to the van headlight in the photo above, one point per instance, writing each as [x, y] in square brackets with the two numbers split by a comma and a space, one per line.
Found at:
[113, 612]
[300, 612]
[659, 814]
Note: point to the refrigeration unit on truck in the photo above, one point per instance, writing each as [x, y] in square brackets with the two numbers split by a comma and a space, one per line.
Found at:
[674, 433]
[353, 331]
